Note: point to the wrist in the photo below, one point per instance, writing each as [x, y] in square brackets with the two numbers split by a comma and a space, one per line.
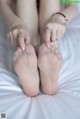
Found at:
[60, 18]
[18, 25]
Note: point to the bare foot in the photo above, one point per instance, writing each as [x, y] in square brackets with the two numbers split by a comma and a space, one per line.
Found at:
[25, 66]
[49, 62]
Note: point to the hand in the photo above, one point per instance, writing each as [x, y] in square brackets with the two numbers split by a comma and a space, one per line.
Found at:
[53, 32]
[19, 37]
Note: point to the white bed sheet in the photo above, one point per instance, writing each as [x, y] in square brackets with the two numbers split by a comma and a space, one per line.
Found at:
[65, 104]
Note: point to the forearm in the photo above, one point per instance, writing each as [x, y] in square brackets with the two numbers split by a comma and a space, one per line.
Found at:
[9, 16]
[70, 11]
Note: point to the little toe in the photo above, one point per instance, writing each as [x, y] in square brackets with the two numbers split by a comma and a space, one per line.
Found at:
[58, 54]
[56, 50]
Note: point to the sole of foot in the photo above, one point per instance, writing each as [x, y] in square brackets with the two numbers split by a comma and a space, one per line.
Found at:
[49, 63]
[25, 66]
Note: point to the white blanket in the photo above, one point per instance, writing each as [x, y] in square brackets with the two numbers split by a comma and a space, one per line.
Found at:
[65, 104]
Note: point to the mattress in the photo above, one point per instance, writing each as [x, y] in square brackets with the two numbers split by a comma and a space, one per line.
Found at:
[63, 105]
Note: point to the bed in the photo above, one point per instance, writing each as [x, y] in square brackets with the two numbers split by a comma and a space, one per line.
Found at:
[65, 104]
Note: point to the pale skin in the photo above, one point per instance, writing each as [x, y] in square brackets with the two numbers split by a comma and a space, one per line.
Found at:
[24, 35]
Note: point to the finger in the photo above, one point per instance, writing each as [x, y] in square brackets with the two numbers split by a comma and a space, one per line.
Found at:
[63, 31]
[54, 35]
[59, 34]
[47, 37]
[21, 41]
[48, 34]
[15, 35]
[27, 38]
[8, 36]
[11, 38]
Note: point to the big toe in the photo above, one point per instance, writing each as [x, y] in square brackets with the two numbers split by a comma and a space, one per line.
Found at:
[30, 49]
[43, 49]
[17, 54]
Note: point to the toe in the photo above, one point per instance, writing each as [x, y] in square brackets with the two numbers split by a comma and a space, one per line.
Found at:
[52, 48]
[43, 49]
[15, 57]
[17, 54]
[19, 51]
[58, 54]
[30, 49]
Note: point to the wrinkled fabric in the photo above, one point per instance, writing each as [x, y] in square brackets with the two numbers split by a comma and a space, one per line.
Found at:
[65, 104]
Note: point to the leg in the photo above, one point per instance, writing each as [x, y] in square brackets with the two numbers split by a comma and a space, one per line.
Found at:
[25, 65]
[25, 62]
[27, 11]
[49, 60]
[47, 8]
